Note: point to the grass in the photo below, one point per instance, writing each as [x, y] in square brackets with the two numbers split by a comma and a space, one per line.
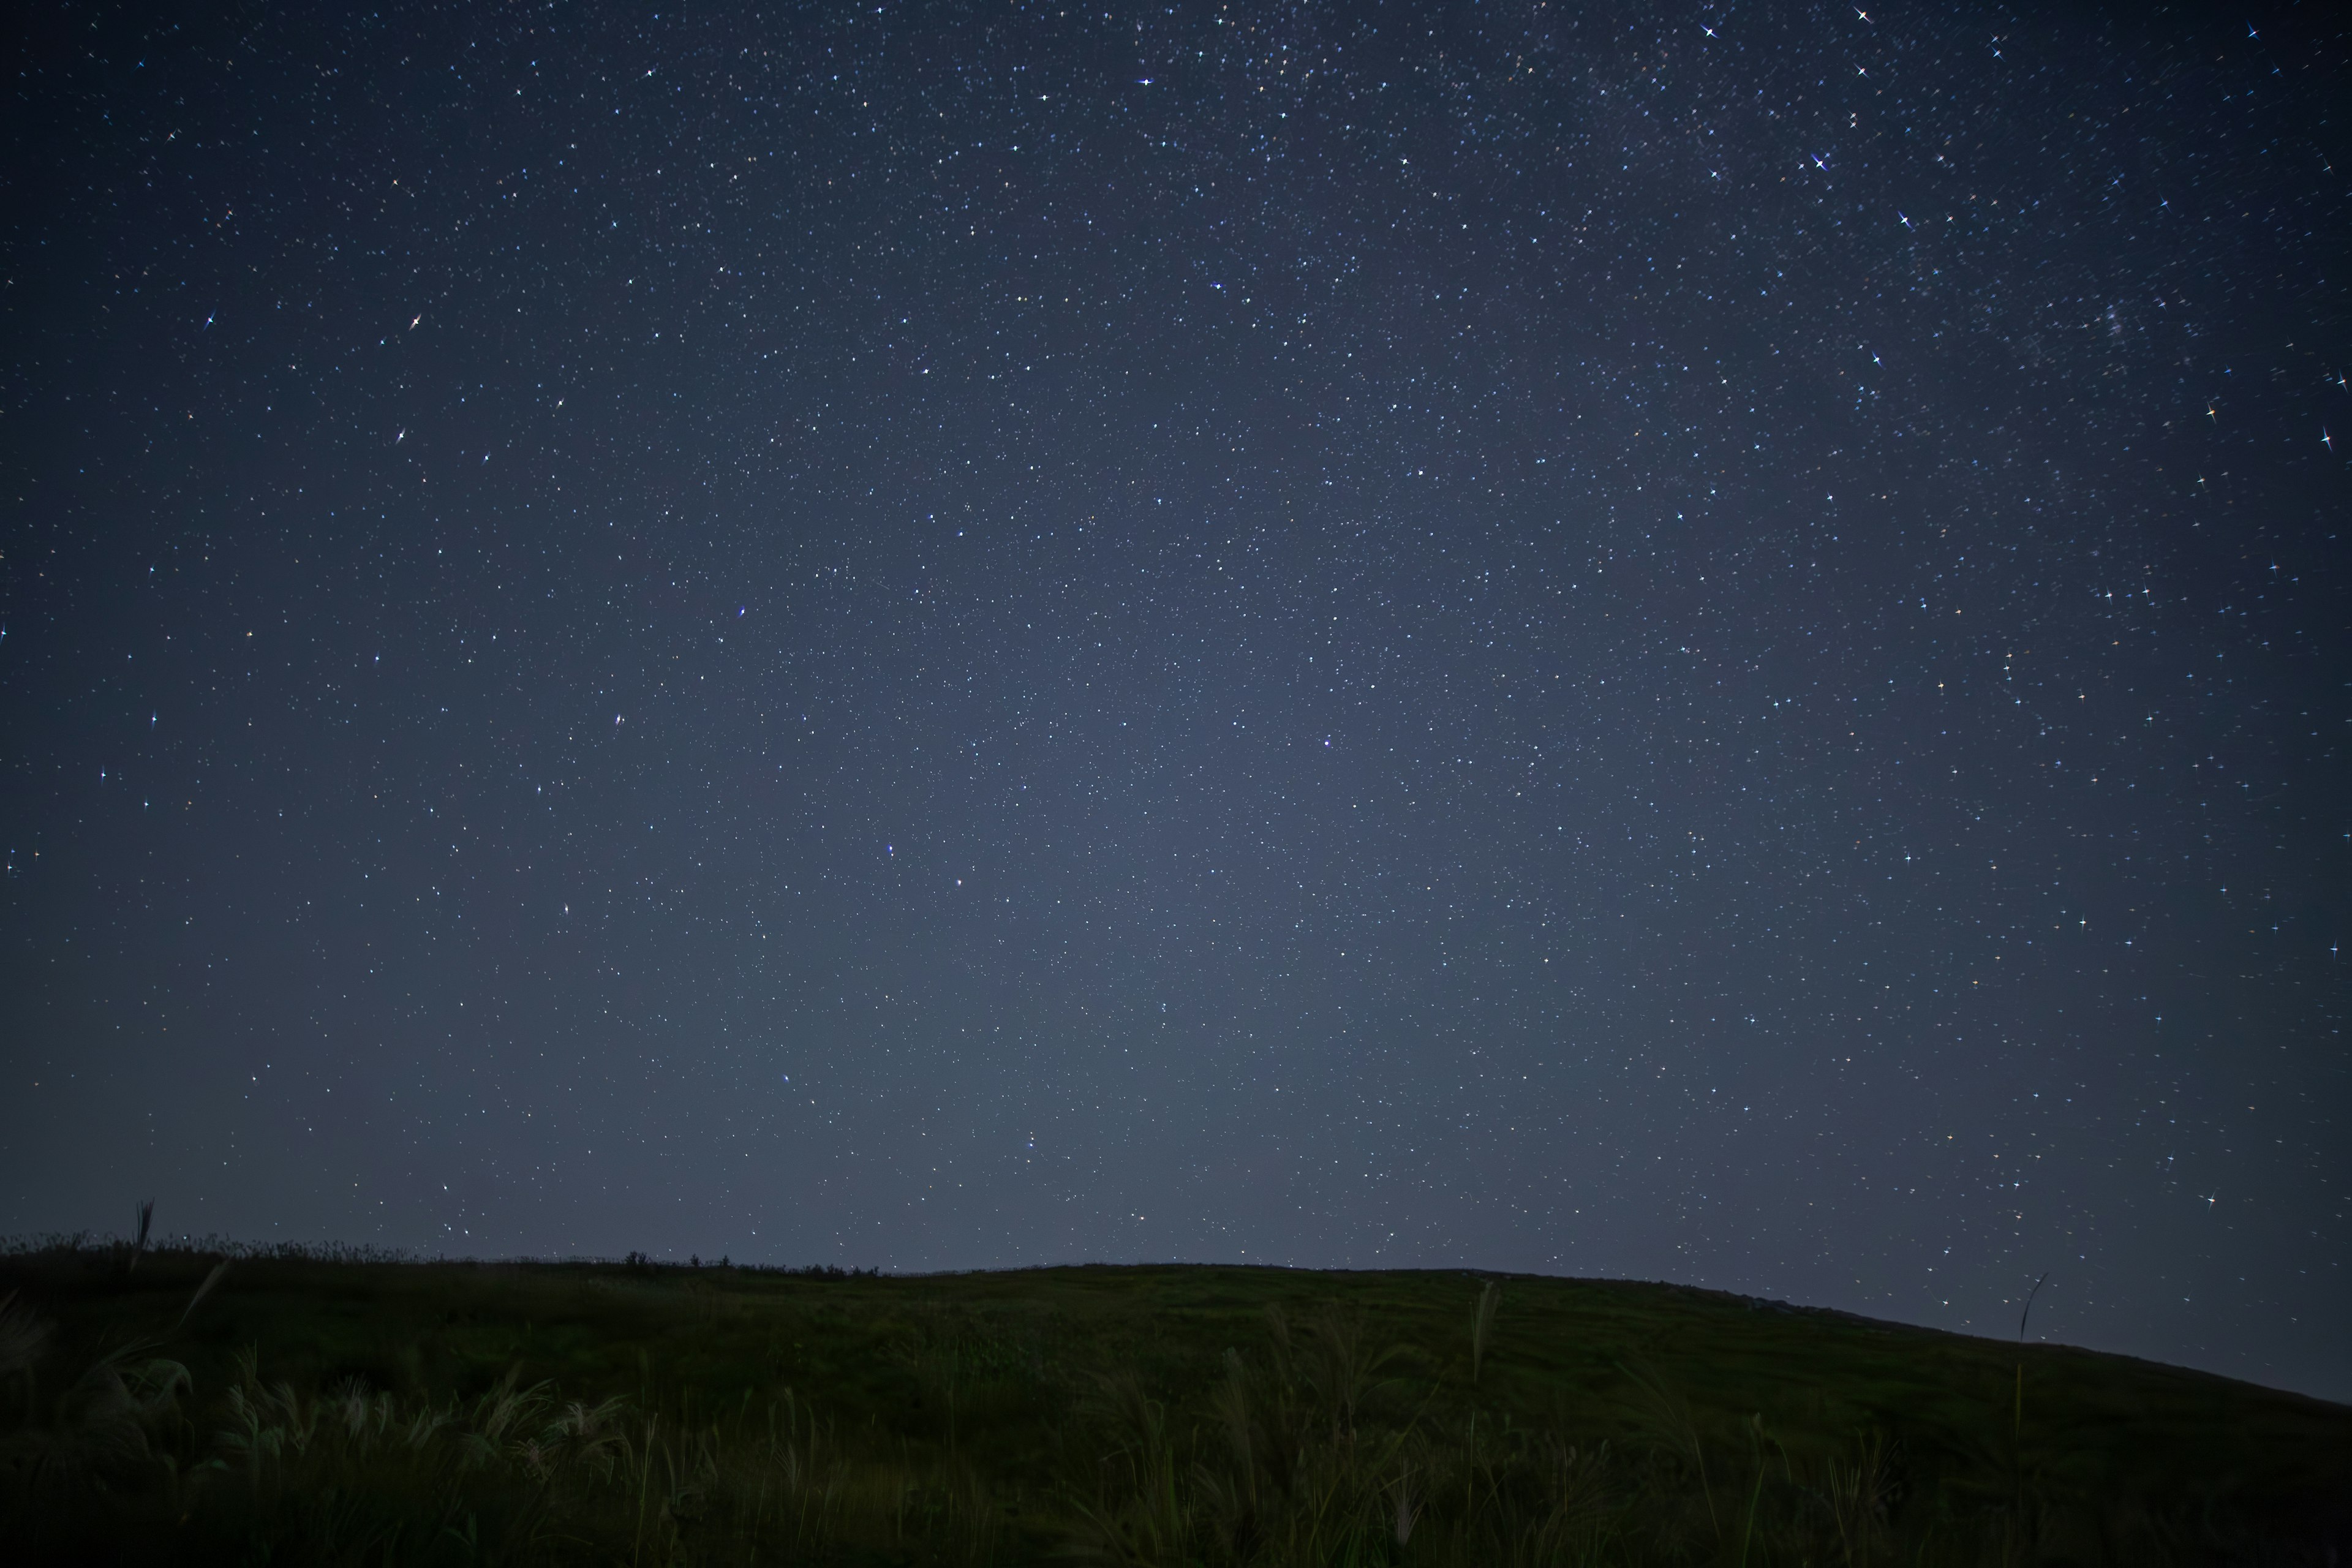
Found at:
[291, 1408]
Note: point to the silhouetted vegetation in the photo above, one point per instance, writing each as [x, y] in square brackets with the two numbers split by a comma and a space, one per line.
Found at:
[292, 1405]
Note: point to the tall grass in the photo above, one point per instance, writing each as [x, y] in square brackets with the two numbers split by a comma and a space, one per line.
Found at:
[1482, 1326]
[1328, 1438]
[518, 1474]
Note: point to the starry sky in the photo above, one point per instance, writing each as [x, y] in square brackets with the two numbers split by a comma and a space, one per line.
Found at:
[1689, 643]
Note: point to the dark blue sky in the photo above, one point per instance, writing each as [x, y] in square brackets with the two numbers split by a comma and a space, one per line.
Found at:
[1706, 644]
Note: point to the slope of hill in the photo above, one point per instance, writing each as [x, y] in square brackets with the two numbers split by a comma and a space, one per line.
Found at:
[314, 1410]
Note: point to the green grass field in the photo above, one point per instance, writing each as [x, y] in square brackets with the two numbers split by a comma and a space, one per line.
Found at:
[314, 1411]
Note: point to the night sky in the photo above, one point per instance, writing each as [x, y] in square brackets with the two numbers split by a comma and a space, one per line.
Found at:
[1681, 643]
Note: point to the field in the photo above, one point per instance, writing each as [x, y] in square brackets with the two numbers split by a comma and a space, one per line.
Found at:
[305, 1409]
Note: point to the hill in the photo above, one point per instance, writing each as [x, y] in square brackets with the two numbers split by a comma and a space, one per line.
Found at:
[313, 1409]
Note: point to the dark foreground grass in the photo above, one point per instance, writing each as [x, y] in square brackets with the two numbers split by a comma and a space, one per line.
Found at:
[311, 1410]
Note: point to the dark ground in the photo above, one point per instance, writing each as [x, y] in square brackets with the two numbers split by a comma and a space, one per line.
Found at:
[972, 1417]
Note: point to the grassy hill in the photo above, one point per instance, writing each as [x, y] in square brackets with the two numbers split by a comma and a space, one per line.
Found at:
[312, 1410]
